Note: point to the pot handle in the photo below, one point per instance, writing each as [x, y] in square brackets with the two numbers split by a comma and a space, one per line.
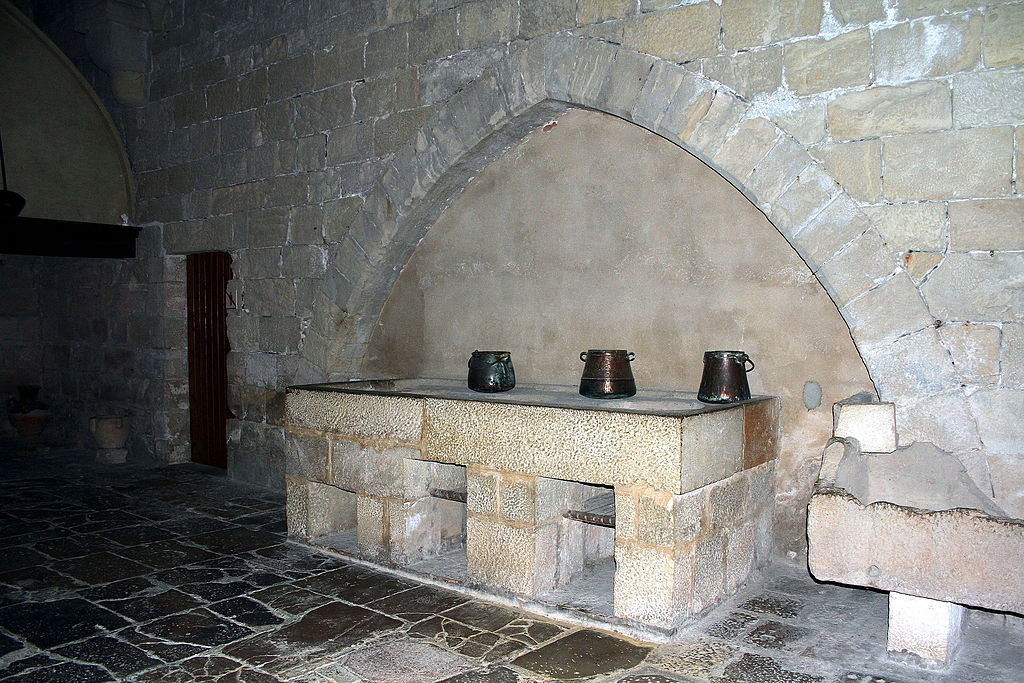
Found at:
[745, 361]
[583, 356]
[630, 356]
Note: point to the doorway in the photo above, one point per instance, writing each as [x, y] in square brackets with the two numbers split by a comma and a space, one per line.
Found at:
[207, 278]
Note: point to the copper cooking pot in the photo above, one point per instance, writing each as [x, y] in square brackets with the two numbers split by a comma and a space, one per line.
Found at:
[607, 373]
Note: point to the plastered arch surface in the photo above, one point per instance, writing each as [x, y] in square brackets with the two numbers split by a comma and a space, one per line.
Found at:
[887, 317]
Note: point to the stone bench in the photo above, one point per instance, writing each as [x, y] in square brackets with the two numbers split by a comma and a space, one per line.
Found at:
[911, 522]
[381, 466]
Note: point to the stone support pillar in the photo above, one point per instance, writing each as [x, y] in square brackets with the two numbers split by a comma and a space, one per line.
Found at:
[512, 530]
[925, 632]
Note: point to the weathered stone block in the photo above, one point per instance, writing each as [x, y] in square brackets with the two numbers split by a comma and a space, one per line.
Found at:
[423, 528]
[486, 23]
[740, 555]
[1001, 44]
[537, 17]
[760, 432]
[376, 417]
[1011, 357]
[433, 37]
[649, 584]
[931, 47]
[726, 501]
[297, 506]
[977, 286]
[377, 471]
[654, 519]
[926, 630]
[712, 446]
[953, 165]
[688, 517]
[592, 66]
[905, 227]
[866, 546]
[857, 166]
[821, 64]
[859, 266]
[987, 224]
[740, 154]
[387, 50]
[308, 456]
[482, 490]
[805, 197]
[518, 499]
[372, 529]
[722, 117]
[525, 566]
[330, 510]
[557, 443]
[858, 11]
[592, 11]
[677, 34]
[688, 107]
[872, 424]
[748, 73]
[975, 351]
[912, 108]
[625, 79]
[709, 570]
[988, 98]
[626, 502]
[747, 23]
[777, 170]
[998, 412]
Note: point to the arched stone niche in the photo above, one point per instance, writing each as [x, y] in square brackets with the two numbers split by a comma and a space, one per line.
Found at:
[886, 315]
[63, 153]
[596, 233]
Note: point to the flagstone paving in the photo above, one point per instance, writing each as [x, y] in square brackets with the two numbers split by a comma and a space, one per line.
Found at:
[176, 574]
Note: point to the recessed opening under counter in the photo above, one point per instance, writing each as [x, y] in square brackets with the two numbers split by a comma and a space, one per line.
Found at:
[660, 503]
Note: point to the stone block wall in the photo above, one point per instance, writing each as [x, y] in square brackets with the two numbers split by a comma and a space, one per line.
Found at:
[316, 140]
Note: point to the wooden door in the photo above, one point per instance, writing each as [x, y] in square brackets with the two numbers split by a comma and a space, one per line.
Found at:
[207, 278]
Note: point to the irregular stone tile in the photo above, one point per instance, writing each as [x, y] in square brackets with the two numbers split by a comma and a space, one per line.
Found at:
[208, 669]
[530, 631]
[194, 526]
[136, 535]
[752, 668]
[19, 558]
[482, 615]
[182, 576]
[218, 591]
[773, 604]
[854, 677]
[325, 629]
[693, 657]
[66, 547]
[290, 599]
[354, 584]
[236, 540]
[246, 611]
[165, 554]
[648, 678]
[169, 652]
[65, 672]
[117, 656]
[152, 606]
[39, 579]
[199, 627]
[102, 567]
[775, 635]
[417, 603]
[730, 627]
[47, 624]
[582, 653]
[499, 674]
[8, 644]
[18, 666]
[500, 651]
[398, 659]
[292, 558]
[120, 589]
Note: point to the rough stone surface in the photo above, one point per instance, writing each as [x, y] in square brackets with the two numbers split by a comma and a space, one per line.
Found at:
[818, 65]
[747, 23]
[975, 351]
[923, 628]
[748, 73]
[928, 47]
[960, 164]
[912, 108]
[910, 226]
[985, 225]
[1001, 44]
[977, 286]
[857, 166]
[872, 424]
[988, 98]
[676, 34]
[361, 415]
[998, 413]
[1011, 357]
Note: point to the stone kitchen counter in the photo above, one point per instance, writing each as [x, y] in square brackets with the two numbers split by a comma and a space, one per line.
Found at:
[402, 472]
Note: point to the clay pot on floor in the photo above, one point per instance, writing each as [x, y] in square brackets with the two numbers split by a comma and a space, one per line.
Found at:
[110, 431]
[27, 414]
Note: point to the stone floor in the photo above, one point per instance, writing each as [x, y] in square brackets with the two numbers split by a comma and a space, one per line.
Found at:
[123, 573]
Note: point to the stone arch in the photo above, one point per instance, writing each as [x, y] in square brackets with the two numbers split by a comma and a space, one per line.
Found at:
[887, 317]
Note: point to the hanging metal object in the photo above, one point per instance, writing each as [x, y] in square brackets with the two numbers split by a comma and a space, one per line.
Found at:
[11, 203]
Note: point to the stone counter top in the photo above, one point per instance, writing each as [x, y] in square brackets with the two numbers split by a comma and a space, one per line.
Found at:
[645, 402]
